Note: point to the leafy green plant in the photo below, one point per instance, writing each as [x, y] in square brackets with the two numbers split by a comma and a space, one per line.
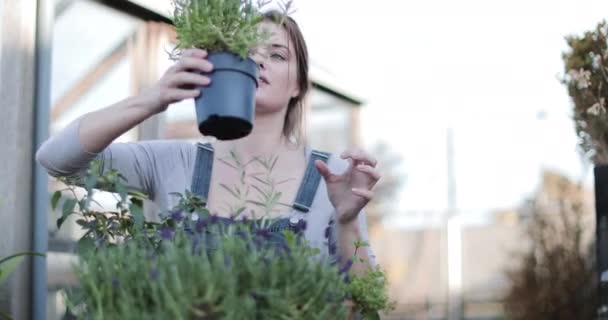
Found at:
[369, 291]
[196, 265]
[586, 67]
[221, 25]
[8, 265]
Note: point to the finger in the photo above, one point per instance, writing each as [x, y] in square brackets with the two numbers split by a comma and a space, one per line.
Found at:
[365, 194]
[324, 171]
[195, 52]
[359, 155]
[181, 94]
[371, 171]
[186, 79]
[192, 63]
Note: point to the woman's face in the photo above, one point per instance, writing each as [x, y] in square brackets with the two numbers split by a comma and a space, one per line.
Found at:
[278, 81]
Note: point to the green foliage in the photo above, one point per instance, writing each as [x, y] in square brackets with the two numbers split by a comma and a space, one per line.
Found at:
[8, 265]
[220, 25]
[194, 265]
[586, 67]
[369, 291]
[555, 277]
[228, 281]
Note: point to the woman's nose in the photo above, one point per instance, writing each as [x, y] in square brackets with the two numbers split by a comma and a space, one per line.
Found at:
[259, 59]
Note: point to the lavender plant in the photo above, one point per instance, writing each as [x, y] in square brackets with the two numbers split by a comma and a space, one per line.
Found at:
[197, 265]
[221, 25]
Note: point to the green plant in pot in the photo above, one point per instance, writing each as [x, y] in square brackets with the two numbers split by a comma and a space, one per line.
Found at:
[229, 31]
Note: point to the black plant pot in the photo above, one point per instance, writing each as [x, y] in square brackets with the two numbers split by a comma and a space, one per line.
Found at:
[226, 108]
[601, 232]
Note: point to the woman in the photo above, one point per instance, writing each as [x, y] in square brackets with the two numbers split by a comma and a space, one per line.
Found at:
[331, 205]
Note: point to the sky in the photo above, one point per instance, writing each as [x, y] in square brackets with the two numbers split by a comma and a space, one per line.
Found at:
[488, 69]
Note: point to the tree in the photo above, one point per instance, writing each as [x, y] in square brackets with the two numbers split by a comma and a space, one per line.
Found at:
[586, 67]
[555, 278]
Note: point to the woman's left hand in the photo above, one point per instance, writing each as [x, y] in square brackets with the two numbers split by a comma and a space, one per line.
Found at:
[350, 191]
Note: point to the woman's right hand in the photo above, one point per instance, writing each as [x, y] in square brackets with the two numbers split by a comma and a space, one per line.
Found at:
[181, 81]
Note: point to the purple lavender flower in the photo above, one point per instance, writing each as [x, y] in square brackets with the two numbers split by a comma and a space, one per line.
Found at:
[200, 226]
[166, 233]
[301, 226]
[177, 215]
[332, 248]
[346, 267]
[264, 233]
[327, 232]
[115, 283]
[213, 219]
[154, 274]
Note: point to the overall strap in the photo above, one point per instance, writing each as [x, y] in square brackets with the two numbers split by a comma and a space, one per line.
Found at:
[310, 182]
[203, 166]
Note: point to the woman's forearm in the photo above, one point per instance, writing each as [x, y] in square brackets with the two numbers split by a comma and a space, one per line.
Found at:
[99, 128]
[348, 235]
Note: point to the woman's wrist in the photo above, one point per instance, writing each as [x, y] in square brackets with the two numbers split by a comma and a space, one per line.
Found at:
[351, 224]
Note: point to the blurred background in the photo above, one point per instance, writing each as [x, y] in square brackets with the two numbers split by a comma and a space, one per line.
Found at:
[461, 102]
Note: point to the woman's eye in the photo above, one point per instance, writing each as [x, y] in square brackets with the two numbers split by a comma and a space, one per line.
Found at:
[277, 56]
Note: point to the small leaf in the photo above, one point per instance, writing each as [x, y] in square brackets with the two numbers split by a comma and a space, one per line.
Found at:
[290, 238]
[258, 189]
[55, 199]
[121, 189]
[262, 181]
[258, 203]
[284, 181]
[228, 164]
[82, 222]
[229, 190]
[373, 316]
[137, 213]
[90, 182]
[85, 244]
[274, 162]
[140, 195]
[68, 209]
[10, 263]
[60, 222]
[239, 211]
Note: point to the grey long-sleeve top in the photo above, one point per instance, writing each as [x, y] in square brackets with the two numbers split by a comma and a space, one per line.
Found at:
[161, 167]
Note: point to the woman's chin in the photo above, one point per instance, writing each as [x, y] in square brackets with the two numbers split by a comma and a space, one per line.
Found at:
[262, 108]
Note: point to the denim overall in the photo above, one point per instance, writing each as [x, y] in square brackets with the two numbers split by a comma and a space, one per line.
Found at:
[203, 167]
[201, 179]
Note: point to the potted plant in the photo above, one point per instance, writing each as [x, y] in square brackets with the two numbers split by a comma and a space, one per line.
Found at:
[229, 31]
[586, 67]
